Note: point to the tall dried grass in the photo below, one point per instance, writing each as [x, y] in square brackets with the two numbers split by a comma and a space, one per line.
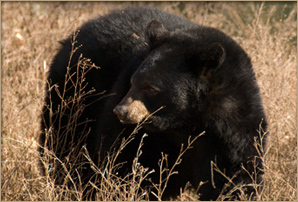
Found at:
[30, 35]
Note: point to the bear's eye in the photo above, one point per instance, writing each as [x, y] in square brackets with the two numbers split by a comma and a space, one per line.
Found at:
[151, 89]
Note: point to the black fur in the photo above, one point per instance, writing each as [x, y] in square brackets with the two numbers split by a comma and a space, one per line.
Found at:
[204, 80]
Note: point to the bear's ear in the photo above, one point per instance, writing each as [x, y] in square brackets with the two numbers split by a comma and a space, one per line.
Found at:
[211, 58]
[156, 33]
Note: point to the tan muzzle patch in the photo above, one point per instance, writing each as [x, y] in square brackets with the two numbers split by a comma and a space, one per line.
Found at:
[131, 111]
[136, 111]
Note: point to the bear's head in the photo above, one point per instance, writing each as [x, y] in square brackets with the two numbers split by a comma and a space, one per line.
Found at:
[171, 84]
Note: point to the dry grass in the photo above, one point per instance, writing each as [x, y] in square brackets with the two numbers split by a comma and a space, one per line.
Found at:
[30, 35]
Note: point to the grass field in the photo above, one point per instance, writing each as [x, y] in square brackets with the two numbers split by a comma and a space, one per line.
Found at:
[30, 35]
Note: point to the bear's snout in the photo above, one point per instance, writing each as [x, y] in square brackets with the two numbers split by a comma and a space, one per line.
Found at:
[121, 112]
[130, 111]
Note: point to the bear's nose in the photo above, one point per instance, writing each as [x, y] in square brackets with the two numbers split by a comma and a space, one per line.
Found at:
[120, 111]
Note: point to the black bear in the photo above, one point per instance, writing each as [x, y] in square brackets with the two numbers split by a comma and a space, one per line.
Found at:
[175, 77]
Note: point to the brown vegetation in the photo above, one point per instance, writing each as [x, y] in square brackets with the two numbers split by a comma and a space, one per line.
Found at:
[30, 35]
